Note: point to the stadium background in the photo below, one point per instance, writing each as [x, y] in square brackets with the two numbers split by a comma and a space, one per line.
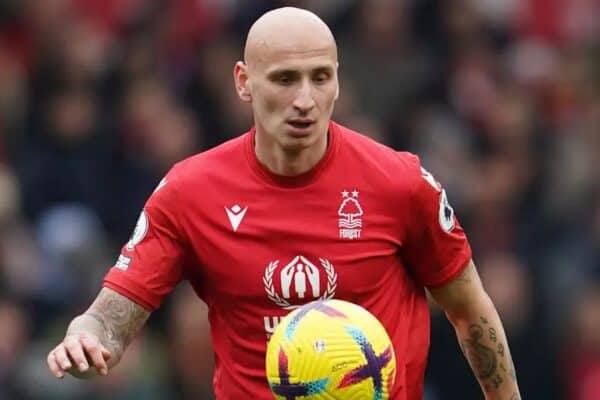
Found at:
[501, 98]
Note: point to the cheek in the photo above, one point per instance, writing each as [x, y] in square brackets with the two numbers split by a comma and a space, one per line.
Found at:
[271, 104]
[272, 101]
[327, 99]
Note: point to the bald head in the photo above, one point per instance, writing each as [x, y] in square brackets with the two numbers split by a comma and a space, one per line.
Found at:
[289, 75]
[287, 30]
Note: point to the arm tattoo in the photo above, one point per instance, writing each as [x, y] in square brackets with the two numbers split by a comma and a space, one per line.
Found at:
[119, 317]
[97, 318]
[482, 359]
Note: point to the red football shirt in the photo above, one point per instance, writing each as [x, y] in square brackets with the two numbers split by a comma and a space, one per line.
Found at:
[367, 224]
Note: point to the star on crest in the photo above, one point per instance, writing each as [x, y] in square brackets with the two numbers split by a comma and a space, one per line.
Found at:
[355, 193]
[345, 194]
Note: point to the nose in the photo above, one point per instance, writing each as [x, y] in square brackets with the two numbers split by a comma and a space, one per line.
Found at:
[304, 101]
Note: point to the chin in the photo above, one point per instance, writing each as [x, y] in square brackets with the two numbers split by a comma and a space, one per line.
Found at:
[295, 143]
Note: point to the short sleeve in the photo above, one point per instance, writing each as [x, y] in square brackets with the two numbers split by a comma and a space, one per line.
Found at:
[436, 247]
[150, 263]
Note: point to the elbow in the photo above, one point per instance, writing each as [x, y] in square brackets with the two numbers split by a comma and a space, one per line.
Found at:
[470, 309]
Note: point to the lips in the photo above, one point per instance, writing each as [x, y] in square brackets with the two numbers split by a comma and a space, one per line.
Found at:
[300, 123]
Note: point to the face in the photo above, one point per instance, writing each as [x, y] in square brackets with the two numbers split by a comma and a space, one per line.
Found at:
[292, 92]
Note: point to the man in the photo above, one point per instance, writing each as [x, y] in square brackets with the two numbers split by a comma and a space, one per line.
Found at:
[297, 209]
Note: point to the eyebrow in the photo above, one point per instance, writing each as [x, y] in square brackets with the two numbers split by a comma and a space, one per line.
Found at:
[282, 71]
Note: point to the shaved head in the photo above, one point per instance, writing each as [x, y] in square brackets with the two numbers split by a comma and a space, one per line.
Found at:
[289, 76]
[287, 30]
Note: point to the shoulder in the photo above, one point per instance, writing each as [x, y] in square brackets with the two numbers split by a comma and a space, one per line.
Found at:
[367, 152]
[215, 161]
[218, 156]
[192, 176]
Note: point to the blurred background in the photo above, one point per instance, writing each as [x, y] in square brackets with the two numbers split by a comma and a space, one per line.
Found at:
[500, 98]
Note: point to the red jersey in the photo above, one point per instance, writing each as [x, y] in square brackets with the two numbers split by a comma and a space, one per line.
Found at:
[367, 224]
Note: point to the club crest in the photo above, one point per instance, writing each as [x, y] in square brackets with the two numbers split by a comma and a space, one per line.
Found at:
[350, 213]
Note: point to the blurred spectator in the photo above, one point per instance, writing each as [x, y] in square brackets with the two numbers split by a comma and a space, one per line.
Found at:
[20, 264]
[13, 100]
[211, 94]
[67, 157]
[74, 253]
[382, 59]
[581, 351]
[14, 336]
[510, 285]
[190, 332]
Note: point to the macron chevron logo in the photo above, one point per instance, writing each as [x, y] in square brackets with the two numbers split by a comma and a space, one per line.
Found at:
[235, 215]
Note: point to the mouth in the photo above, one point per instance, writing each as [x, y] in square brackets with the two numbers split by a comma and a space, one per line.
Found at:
[300, 125]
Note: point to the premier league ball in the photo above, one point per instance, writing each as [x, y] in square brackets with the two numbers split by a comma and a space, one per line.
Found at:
[328, 350]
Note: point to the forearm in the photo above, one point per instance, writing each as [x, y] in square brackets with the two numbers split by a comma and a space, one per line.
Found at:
[483, 342]
[480, 333]
[114, 320]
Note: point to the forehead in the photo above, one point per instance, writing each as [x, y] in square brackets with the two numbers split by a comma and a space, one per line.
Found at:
[301, 54]
[299, 62]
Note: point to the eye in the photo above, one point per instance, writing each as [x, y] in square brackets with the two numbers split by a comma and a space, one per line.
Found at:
[284, 79]
[321, 77]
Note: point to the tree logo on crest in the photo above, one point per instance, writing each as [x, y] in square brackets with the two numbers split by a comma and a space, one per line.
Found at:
[350, 211]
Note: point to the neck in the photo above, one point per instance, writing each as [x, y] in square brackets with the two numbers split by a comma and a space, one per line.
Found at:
[289, 162]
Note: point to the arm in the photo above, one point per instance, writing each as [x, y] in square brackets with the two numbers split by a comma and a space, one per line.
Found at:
[480, 334]
[98, 337]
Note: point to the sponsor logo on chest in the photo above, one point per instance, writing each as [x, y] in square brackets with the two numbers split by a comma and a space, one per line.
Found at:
[298, 282]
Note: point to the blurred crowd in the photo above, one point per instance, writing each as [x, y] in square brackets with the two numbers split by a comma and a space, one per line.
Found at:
[500, 98]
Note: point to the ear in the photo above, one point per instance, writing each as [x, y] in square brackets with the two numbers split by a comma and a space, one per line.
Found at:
[240, 77]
